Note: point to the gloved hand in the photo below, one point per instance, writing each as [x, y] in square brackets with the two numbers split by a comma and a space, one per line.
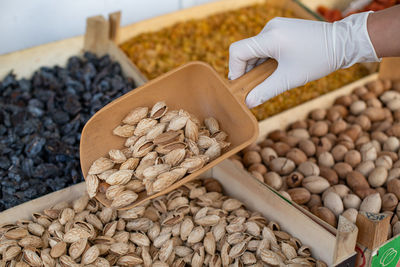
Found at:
[305, 50]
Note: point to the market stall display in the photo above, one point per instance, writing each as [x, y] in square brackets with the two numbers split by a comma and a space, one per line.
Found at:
[208, 40]
[196, 224]
[48, 93]
[41, 121]
[339, 160]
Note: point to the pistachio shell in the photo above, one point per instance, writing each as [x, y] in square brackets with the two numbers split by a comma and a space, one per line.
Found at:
[211, 124]
[123, 199]
[177, 123]
[120, 177]
[101, 165]
[158, 110]
[136, 115]
[117, 156]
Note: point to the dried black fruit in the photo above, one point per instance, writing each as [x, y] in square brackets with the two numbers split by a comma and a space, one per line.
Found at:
[40, 123]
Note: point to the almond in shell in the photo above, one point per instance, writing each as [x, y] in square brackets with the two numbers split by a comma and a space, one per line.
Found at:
[101, 165]
[158, 110]
[120, 177]
[124, 199]
[136, 115]
[125, 130]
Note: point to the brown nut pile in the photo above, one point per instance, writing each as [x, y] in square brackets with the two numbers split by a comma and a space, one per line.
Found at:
[208, 40]
[194, 225]
[162, 146]
[339, 160]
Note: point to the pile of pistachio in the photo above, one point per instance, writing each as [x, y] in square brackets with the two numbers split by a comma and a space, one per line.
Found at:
[194, 225]
[161, 147]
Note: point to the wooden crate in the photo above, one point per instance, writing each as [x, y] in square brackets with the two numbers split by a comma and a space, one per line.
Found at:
[324, 245]
[372, 235]
[198, 12]
[97, 39]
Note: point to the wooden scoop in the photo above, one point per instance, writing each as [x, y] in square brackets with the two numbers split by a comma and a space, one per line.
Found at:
[195, 87]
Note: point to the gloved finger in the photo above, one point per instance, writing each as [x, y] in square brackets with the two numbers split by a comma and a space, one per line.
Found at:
[251, 64]
[260, 61]
[241, 52]
[270, 87]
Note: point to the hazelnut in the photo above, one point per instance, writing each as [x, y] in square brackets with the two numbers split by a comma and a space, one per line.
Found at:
[320, 128]
[281, 148]
[276, 135]
[394, 174]
[368, 152]
[329, 175]
[365, 167]
[351, 201]
[300, 133]
[273, 179]
[381, 191]
[389, 202]
[308, 147]
[374, 102]
[315, 201]
[375, 87]
[342, 169]
[338, 152]
[390, 154]
[333, 202]
[356, 180]
[251, 157]
[297, 156]
[341, 189]
[359, 91]
[318, 114]
[299, 195]
[364, 122]
[353, 158]
[290, 140]
[308, 169]
[378, 176]
[282, 165]
[344, 100]
[394, 130]
[325, 214]
[326, 159]
[302, 124]
[384, 161]
[393, 186]
[258, 167]
[372, 203]
[266, 143]
[357, 107]
[268, 154]
[315, 184]
[338, 126]
[361, 140]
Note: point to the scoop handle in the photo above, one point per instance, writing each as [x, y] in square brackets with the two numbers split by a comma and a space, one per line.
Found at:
[244, 84]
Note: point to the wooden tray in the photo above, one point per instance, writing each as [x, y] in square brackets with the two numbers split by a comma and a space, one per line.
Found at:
[198, 12]
[370, 238]
[25, 62]
[324, 245]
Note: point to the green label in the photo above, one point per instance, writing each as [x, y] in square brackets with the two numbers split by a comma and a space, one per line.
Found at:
[388, 255]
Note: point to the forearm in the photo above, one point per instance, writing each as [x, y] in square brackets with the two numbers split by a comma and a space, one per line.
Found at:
[384, 31]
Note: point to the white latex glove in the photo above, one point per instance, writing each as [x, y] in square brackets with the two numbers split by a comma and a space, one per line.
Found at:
[305, 50]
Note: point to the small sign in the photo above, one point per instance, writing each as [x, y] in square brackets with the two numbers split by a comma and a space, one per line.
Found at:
[387, 255]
